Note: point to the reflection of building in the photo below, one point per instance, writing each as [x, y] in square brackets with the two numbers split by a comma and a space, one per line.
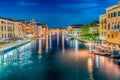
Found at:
[90, 68]
[112, 23]
[63, 43]
[46, 43]
[50, 40]
[57, 40]
[40, 46]
[76, 30]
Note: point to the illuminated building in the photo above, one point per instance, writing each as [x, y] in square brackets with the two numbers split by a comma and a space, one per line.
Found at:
[76, 31]
[110, 26]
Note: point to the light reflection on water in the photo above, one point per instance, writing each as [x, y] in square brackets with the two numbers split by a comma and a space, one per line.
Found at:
[56, 58]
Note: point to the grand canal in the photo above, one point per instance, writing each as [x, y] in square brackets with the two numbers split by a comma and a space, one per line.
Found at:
[56, 57]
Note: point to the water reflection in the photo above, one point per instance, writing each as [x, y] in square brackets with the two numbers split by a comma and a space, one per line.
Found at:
[40, 45]
[46, 43]
[63, 40]
[90, 68]
[97, 61]
[50, 40]
[58, 40]
[31, 62]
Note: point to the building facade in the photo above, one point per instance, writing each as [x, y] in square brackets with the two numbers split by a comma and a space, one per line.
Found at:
[103, 27]
[28, 29]
[69, 29]
[18, 29]
[76, 31]
[42, 30]
[112, 31]
[6, 29]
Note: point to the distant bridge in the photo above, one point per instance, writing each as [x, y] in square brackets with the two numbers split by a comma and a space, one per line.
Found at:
[56, 30]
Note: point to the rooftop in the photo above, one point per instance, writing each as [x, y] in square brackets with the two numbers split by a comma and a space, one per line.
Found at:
[76, 25]
[113, 6]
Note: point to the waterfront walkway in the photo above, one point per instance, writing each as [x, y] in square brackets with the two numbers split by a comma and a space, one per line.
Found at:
[14, 45]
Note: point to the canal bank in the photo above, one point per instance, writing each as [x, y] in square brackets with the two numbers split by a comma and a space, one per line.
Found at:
[14, 45]
[93, 44]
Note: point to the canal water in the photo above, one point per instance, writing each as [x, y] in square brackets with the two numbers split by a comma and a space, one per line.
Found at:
[56, 57]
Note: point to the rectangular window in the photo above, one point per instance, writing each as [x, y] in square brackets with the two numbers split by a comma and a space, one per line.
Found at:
[112, 36]
[2, 22]
[109, 26]
[105, 26]
[115, 14]
[109, 15]
[118, 13]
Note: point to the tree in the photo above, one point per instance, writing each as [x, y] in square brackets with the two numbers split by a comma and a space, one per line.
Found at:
[94, 23]
[85, 30]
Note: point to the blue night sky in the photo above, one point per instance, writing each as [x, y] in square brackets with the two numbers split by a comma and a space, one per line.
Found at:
[55, 13]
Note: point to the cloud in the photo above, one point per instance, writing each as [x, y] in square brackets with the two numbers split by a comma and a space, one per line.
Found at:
[80, 5]
[23, 3]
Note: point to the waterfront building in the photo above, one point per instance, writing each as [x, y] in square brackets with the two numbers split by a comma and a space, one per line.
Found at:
[28, 29]
[18, 29]
[103, 28]
[94, 29]
[76, 31]
[39, 32]
[69, 29]
[112, 29]
[36, 27]
[42, 29]
[6, 28]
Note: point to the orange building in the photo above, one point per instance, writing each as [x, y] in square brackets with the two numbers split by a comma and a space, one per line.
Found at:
[42, 29]
[112, 29]
[28, 29]
[69, 29]
[103, 27]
